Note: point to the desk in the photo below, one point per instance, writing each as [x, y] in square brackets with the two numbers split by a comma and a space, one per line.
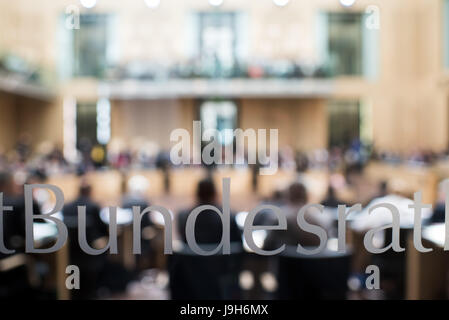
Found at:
[316, 182]
[124, 223]
[183, 182]
[45, 233]
[68, 183]
[281, 180]
[427, 273]
[441, 169]
[241, 181]
[106, 186]
[406, 179]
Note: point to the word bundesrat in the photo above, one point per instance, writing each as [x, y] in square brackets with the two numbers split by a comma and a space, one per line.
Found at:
[224, 247]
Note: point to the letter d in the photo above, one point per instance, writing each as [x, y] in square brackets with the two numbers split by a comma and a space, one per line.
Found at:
[225, 217]
[30, 217]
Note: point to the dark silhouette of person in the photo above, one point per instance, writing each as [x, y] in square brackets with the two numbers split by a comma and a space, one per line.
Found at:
[294, 235]
[383, 189]
[95, 228]
[135, 196]
[208, 227]
[90, 266]
[14, 221]
[214, 277]
[331, 200]
[14, 282]
[439, 211]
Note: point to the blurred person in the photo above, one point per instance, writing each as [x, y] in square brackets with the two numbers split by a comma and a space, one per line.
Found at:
[383, 189]
[287, 159]
[14, 281]
[136, 189]
[98, 156]
[294, 235]
[85, 148]
[146, 154]
[163, 163]
[208, 227]
[214, 277]
[36, 176]
[277, 198]
[302, 162]
[331, 200]
[23, 147]
[13, 222]
[255, 168]
[135, 196]
[439, 211]
[3, 162]
[265, 217]
[335, 160]
[90, 266]
[55, 161]
[96, 228]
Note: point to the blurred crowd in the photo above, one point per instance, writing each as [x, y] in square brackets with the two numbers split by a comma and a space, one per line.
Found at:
[49, 159]
[224, 277]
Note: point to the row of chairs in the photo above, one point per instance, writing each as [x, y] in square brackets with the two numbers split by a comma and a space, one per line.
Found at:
[217, 277]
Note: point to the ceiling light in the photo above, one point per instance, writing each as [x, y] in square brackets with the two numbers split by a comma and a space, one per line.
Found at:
[88, 3]
[152, 3]
[281, 3]
[347, 3]
[216, 3]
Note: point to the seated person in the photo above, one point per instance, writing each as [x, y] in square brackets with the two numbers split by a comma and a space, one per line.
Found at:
[439, 211]
[331, 200]
[95, 228]
[14, 221]
[208, 227]
[91, 266]
[294, 235]
[136, 196]
[14, 281]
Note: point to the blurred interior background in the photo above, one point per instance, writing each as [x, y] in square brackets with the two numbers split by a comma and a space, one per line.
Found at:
[90, 91]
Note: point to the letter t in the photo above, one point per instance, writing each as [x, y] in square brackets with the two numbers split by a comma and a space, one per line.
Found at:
[3, 249]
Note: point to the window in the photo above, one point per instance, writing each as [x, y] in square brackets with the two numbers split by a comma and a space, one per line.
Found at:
[217, 42]
[347, 47]
[93, 123]
[89, 50]
[219, 115]
[345, 43]
[86, 126]
[344, 123]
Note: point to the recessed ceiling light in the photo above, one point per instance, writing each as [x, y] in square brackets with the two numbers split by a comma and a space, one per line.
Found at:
[88, 3]
[347, 3]
[281, 3]
[216, 3]
[152, 3]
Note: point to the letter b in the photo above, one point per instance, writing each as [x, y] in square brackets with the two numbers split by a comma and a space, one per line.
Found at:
[30, 217]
